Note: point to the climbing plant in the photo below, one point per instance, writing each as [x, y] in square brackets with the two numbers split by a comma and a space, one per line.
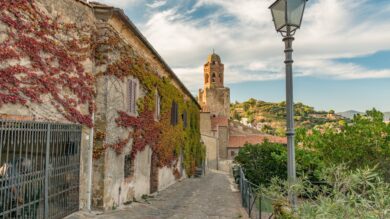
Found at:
[42, 57]
[167, 141]
[42, 62]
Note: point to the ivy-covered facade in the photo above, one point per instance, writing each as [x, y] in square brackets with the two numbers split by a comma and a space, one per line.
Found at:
[146, 119]
[88, 64]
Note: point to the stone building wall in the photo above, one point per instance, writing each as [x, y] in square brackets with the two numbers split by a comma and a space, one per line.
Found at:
[111, 188]
[216, 101]
[69, 12]
[211, 143]
[223, 141]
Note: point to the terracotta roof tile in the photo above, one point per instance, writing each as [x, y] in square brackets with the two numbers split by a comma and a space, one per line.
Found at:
[219, 121]
[240, 141]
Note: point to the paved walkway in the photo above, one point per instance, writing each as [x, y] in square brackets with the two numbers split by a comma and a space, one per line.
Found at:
[211, 197]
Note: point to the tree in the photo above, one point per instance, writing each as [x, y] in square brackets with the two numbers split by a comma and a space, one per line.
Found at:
[246, 106]
[236, 115]
[363, 142]
[262, 162]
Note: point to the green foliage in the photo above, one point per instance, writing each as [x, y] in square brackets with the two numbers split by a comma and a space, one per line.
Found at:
[363, 142]
[246, 106]
[236, 116]
[262, 162]
[275, 113]
[348, 194]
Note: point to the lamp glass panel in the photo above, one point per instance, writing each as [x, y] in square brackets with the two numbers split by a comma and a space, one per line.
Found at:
[295, 12]
[279, 13]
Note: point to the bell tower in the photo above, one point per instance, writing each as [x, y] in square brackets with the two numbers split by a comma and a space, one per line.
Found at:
[214, 97]
[213, 72]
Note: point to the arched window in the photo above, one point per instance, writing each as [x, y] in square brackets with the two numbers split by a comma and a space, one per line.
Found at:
[213, 77]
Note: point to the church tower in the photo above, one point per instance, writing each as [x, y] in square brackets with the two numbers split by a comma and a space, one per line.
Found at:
[214, 97]
[213, 72]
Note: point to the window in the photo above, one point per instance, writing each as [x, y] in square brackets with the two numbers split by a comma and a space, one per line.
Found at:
[184, 117]
[132, 95]
[158, 106]
[213, 77]
[128, 167]
[206, 78]
[232, 153]
[174, 113]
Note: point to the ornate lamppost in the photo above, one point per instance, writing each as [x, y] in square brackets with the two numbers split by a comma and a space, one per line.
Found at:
[287, 16]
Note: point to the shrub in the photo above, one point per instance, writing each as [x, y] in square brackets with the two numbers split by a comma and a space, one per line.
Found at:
[262, 162]
[350, 194]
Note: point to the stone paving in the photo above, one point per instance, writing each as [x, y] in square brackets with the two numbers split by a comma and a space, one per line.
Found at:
[213, 196]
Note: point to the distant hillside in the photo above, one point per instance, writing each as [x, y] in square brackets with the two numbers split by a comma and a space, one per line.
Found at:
[349, 114]
[270, 118]
[387, 116]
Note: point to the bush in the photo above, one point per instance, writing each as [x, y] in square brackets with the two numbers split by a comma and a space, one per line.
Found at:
[363, 142]
[262, 162]
[351, 194]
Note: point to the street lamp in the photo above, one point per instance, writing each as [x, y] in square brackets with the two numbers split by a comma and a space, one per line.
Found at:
[287, 16]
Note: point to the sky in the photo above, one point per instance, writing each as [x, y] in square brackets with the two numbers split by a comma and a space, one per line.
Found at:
[341, 53]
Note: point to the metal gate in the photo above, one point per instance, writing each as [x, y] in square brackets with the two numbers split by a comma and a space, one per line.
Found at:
[39, 169]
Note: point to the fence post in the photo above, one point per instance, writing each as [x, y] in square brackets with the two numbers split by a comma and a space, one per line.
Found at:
[47, 171]
[249, 200]
[260, 205]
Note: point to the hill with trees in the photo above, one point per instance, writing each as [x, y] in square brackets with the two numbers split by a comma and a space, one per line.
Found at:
[270, 117]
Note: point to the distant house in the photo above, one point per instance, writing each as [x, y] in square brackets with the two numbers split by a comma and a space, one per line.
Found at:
[238, 141]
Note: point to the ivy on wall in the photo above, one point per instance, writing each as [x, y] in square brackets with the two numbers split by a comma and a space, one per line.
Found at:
[166, 141]
[42, 60]
[43, 57]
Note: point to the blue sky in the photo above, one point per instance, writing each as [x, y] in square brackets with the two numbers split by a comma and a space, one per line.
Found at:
[341, 53]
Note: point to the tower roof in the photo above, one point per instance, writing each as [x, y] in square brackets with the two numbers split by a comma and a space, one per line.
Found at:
[213, 58]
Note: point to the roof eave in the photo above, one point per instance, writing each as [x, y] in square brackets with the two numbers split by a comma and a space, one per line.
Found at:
[120, 13]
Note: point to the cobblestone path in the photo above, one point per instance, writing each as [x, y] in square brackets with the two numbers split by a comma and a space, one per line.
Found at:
[210, 197]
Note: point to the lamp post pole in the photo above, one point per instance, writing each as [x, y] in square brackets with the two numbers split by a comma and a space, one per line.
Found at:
[291, 170]
[287, 16]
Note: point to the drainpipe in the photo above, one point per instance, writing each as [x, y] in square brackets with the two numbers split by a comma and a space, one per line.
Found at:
[90, 169]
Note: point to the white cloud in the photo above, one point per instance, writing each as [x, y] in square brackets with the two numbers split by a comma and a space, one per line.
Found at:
[157, 4]
[252, 50]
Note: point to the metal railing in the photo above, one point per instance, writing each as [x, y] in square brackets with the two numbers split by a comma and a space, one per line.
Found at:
[256, 205]
[39, 169]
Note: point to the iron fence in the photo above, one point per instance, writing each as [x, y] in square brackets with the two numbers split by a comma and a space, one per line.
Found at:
[256, 205]
[39, 169]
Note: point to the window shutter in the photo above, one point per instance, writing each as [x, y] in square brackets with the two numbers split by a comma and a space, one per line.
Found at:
[185, 119]
[173, 113]
[158, 105]
[130, 95]
[128, 166]
[176, 113]
[134, 96]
